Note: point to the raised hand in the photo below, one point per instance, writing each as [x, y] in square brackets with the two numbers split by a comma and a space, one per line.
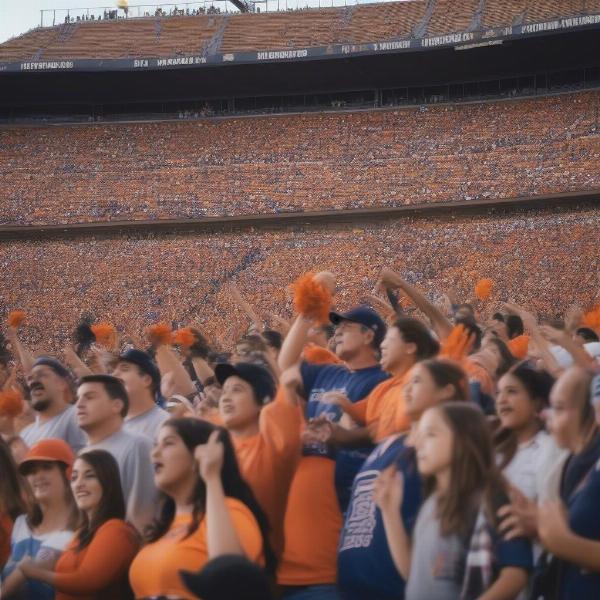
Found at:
[388, 492]
[210, 457]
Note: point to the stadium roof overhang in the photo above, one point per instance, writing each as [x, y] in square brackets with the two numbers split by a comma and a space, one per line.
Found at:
[374, 66]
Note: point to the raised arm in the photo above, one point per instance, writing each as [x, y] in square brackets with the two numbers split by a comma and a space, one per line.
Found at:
[245, 306]
[221, 537]
[439, 321]
[294, 342]
[21, 352]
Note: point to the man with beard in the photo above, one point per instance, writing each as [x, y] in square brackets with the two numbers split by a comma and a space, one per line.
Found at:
[51, 391]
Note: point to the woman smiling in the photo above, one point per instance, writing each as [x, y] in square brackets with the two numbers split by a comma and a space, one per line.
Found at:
[96, 563]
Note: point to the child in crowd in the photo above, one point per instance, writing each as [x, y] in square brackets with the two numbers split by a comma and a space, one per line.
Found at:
[365, 565]
[455, 550]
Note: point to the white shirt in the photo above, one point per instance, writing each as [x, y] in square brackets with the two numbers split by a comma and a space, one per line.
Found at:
[530, 467]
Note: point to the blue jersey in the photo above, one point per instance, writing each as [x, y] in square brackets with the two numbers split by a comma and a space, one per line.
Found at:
[356, 385]
[365, 565]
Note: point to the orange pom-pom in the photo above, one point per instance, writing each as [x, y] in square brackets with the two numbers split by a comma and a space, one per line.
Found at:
[519, 346]
[184, 337]
[458, 344]
[312, 299]
[105, 333]
[16, 317]
[591, 319]
[483, 289]
[11, 403]
[160, 334]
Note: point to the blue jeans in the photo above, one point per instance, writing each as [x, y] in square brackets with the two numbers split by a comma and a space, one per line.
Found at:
[311, 592]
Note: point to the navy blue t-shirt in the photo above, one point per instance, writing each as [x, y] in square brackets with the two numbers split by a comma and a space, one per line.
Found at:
[356, 385]
[365, 565]
[584, 520]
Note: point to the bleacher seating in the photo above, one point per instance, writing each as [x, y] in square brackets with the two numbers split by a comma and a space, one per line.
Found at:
[151, 37]
[544, 260]
[330, 161]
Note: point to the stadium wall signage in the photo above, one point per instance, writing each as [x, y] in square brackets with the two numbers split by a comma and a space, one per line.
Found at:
[459, 41]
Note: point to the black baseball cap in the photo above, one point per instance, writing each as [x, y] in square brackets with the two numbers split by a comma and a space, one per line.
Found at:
[364, 316]
[144, 362]
[228, 577]
[258, 377]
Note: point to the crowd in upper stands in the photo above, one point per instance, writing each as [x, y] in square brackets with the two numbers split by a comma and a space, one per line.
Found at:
[136, 279]
[272, 165]
[448, 452]
[114, 37]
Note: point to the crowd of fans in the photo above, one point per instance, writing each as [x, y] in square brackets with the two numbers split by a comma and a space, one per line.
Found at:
[138, 279]
[164, 33]
[427, 449]
[299, 163]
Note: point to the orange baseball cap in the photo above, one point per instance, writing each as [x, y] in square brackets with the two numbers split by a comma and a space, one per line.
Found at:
[50, 450]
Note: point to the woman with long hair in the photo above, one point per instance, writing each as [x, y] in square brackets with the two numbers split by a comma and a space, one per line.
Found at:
[456, 550]
[11, 499]
[96, 563]
[207, 510]
[44, 532]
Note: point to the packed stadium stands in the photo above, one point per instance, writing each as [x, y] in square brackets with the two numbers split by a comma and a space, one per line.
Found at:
[534, 258]
[211, 33]
[241, 166]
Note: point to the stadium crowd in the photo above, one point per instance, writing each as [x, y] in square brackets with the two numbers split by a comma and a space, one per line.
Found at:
[166, 32]
[400, 445]
[136, 279]
[232, 167]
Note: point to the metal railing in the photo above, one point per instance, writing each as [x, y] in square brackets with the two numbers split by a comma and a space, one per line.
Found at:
[57, 16]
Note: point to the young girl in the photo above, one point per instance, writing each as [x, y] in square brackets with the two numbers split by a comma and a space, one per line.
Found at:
[96, 563]
[11, 499]
[207, 510]
[43, 534]
[365, 565]
[455, 550]
[525, 451]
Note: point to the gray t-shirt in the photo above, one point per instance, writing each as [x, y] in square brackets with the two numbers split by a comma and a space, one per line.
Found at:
[147, 423]
[132, 453]
[63, 426]
[437, 564]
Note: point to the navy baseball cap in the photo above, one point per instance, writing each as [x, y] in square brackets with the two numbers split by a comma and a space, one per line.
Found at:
[364, 316]
[144, 362]
[258, 377]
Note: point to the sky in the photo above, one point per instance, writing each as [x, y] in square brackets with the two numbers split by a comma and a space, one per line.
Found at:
[19, 16]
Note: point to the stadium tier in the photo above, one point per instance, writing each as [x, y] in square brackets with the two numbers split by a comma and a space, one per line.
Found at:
[226, 33]
[270, 165]
[535, 258]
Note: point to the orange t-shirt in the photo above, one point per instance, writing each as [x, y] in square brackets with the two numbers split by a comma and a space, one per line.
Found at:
[268, 460]
[6, 525]
[304, 561]
[155, 570]
[383, 410]
[100, 570]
